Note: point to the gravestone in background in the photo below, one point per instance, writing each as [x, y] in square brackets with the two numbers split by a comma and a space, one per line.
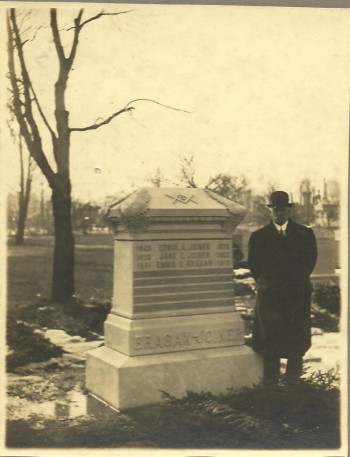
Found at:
[173, 324]
[327, 258]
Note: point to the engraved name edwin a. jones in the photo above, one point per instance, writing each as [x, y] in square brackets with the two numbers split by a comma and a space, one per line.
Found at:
[183, 339]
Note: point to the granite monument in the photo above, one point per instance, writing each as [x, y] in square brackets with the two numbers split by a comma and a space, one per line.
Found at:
[173, 325]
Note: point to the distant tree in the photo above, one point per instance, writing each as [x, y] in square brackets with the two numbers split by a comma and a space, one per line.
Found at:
[25, 183]
[85, 216]
[260, 213]
[187, 172]
[333, 190]
[12, 211]
[232, 187]
[157, 179]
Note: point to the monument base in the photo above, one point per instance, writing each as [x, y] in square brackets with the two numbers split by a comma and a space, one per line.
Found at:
[134, 337]
[128, 382]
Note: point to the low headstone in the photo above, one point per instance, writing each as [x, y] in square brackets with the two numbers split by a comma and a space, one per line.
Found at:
[173, 326]
[327, 258]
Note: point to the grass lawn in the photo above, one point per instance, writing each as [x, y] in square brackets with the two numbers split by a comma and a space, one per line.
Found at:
[30, 269]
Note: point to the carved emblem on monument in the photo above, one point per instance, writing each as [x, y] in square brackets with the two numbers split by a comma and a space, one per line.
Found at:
[182, 199]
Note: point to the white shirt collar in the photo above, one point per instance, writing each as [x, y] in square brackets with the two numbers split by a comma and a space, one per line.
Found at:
[281, 227]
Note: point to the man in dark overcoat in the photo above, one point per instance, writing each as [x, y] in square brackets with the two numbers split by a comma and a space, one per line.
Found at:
[281, 258]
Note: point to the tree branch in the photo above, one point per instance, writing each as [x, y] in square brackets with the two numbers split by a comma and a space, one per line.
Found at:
[56, 35]
[26, 30]
[36, 33]
[24, 18]
[127, 108]
[158, 103]
[23, 109]
[98, 16]
[100, 124]
[53, 135]
[77, 29]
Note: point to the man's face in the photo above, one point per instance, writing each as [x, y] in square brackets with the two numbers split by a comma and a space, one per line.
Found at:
[280, 214]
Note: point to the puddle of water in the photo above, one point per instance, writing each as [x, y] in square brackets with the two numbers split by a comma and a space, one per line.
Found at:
[75, 404]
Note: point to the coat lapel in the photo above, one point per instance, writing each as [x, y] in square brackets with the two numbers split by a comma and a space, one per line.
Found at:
[272, 232]
[291, 231]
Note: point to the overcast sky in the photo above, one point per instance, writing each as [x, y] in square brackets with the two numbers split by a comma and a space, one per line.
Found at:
[268, 91]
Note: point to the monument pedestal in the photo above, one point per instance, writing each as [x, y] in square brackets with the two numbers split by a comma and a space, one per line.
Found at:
[173, 326]
[128, 382]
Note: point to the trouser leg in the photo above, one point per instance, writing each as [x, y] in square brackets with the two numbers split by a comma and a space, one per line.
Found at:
[294, 367]
[271, 367]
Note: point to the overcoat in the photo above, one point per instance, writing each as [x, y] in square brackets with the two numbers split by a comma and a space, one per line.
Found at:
[281, 267]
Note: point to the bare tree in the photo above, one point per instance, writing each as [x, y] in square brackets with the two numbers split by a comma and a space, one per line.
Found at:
[231, 187]
[25, 184]
[158, 179]
[187, 172]
[30, 116]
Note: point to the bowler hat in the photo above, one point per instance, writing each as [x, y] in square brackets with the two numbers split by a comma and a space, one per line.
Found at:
[279, 199]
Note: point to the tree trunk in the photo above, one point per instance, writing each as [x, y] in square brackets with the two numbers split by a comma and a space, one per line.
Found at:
[22, 214]
[23, 199]
[20, 228]
[63, 263]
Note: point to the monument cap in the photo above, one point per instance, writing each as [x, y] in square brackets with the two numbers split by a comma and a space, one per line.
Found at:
[279, 199]
[156, 204]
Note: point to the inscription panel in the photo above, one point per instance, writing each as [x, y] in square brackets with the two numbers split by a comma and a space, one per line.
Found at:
[174, 255]
[182, 276]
